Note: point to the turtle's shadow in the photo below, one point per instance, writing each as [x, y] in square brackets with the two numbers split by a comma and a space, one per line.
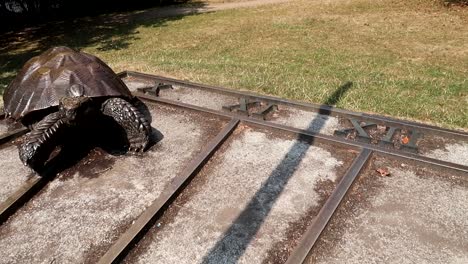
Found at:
[104, 133]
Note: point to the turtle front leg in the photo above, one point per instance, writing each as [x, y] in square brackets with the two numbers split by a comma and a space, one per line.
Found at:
[42, 139]
[133, 122]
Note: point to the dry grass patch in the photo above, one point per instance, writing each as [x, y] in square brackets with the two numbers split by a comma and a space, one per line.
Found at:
[406, 58]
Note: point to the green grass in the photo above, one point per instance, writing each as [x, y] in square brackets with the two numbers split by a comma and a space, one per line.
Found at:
[407, 60]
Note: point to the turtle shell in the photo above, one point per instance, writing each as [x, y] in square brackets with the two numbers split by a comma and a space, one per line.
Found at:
[44, 80]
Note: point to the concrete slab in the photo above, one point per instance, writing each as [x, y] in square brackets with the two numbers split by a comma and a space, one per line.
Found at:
[451, 152]
[415, 215]
[7, 125]
[307, 120]
[197, 97]
[13, 172]
[78, 215]
[186, 95]
[133, 83]
[250, 204]
[3, 127]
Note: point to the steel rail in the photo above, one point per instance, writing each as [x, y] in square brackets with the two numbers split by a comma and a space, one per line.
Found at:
[377, 149]
[27, 189]
[253, 121]
[312, 234]
[143, 222]
[329, 110]
[4, 138]
[21, 196]
[310, 237]
[319, 137]
[9, 135]
[17, 198]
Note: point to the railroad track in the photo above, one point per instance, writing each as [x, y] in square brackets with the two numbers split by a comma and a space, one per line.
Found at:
[239, 177]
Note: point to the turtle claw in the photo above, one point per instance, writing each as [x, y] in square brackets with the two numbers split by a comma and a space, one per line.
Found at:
[136, 148]
[27, 152]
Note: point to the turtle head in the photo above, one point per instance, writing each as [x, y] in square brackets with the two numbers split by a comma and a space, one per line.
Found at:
[72, 104]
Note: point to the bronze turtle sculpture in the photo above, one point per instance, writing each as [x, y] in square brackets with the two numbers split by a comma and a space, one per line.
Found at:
[63, 88]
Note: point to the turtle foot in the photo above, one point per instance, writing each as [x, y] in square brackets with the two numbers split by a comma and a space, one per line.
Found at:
[28, 154]
[131, 120]
[40, 142]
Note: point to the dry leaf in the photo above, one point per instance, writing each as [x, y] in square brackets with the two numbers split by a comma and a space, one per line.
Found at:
[384, 172]
[405, 140]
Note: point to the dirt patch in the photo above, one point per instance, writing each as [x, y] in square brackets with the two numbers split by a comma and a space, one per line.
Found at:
[78, 215]
[414, 215]
[250, 203]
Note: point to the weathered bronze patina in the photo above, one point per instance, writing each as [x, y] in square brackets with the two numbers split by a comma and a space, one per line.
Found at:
[64, 88]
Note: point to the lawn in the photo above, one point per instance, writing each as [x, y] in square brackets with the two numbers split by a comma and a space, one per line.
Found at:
[407, 59]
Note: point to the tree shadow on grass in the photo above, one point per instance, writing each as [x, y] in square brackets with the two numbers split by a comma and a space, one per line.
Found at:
[113, 31]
